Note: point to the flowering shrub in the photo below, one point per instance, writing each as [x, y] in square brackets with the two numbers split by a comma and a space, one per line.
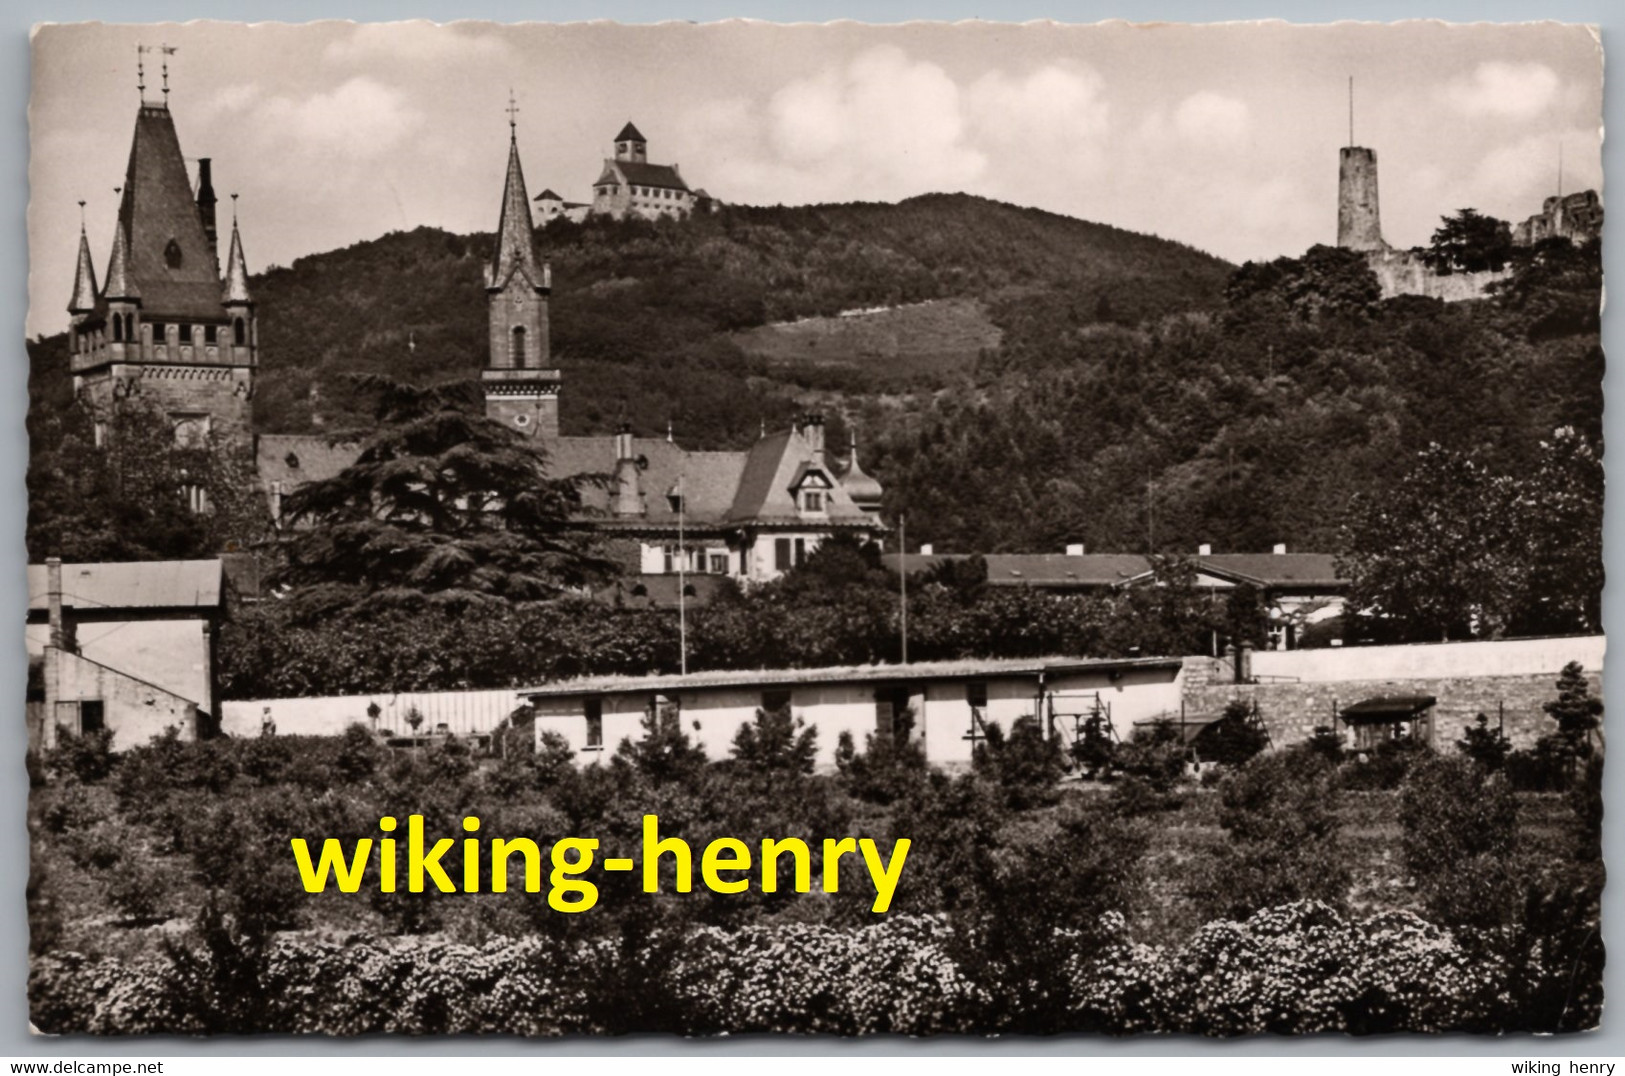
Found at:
[1294, 969]
[896, 976]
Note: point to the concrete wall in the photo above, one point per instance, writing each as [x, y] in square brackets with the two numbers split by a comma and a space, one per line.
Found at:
[1505, 657]
[134, 711]
[171, 654]
[463, 712]
[1508, 681]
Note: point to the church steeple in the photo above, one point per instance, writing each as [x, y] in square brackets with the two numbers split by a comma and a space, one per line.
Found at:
[521, 389]
[516, 244]
[84, 277]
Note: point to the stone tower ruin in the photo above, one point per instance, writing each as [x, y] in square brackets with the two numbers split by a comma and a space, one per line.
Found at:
[1359, 224]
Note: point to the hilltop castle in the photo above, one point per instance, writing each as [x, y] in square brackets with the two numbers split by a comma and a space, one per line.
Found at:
[168, 327]
[1577, 217]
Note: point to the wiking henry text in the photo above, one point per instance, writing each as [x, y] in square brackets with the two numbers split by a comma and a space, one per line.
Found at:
[726, 865]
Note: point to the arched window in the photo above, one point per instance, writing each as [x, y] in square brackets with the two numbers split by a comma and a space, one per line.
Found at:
[118, 329]
[518, 351]
[239, 332]
[129, 327]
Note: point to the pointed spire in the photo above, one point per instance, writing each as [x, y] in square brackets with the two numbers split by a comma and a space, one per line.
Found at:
[84, 276]
[515, 246]
[119, 283]
[236, 268]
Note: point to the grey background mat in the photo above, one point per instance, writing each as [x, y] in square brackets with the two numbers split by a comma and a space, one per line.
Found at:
[19, 16]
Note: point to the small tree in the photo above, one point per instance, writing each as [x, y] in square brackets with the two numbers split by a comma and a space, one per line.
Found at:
[1486, 746]
[1460, 827]
[1236, 737]
[1576, 710]
[1469, 242]
[776, 742]
[1281, 813]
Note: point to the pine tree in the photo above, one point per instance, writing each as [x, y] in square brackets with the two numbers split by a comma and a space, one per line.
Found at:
[441, 505]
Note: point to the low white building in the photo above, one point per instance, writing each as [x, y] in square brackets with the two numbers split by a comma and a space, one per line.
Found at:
[944, 706]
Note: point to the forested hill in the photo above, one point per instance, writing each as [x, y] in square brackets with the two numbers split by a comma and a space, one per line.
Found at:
[643, 314]
[1020, 380]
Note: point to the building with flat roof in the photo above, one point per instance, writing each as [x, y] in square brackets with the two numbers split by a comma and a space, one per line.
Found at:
[945, 707]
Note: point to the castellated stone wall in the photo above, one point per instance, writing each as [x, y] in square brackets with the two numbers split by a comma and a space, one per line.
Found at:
[1402, 272]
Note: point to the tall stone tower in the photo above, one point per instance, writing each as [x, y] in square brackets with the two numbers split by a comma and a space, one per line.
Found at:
[1359, 224]
[164, 330]
[521, 387]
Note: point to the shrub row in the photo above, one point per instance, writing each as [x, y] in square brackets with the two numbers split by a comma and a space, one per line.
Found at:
[1296, 968]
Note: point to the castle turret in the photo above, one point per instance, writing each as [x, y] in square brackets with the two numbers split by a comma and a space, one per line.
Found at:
[521, 387]
[161, 327]
[1359, 223]
[84, 280]
[243, 337]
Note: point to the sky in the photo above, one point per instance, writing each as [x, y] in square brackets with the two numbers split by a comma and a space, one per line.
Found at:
[1221, 136]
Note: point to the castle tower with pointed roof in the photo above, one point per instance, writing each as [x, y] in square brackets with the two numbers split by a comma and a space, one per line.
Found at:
[630, 185]
[521, 385]
[164, 329]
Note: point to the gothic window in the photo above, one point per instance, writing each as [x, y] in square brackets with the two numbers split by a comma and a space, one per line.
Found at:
[129, 327]
[518, 350]
[172, 255]
[239, 333]
[186, 333]
[118, 329]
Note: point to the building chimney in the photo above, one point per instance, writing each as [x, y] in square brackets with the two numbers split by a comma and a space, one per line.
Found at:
[53, 601]
[812, 428]
[206, 198]
[925, 549]
[1280, 547]
[1074, 549]
[627, 499]
[1204, 550]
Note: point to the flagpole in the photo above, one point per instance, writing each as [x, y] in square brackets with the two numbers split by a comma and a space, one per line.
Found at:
[902, 575]
[682, 576]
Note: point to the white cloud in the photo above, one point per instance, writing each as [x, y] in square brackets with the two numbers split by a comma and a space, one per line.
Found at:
[1207, 118]
[882, 123]
[417, 41]
[359, 118]
[1515, 91]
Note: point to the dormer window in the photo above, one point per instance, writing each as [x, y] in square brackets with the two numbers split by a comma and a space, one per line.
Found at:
[812, 500]
[172, 255]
